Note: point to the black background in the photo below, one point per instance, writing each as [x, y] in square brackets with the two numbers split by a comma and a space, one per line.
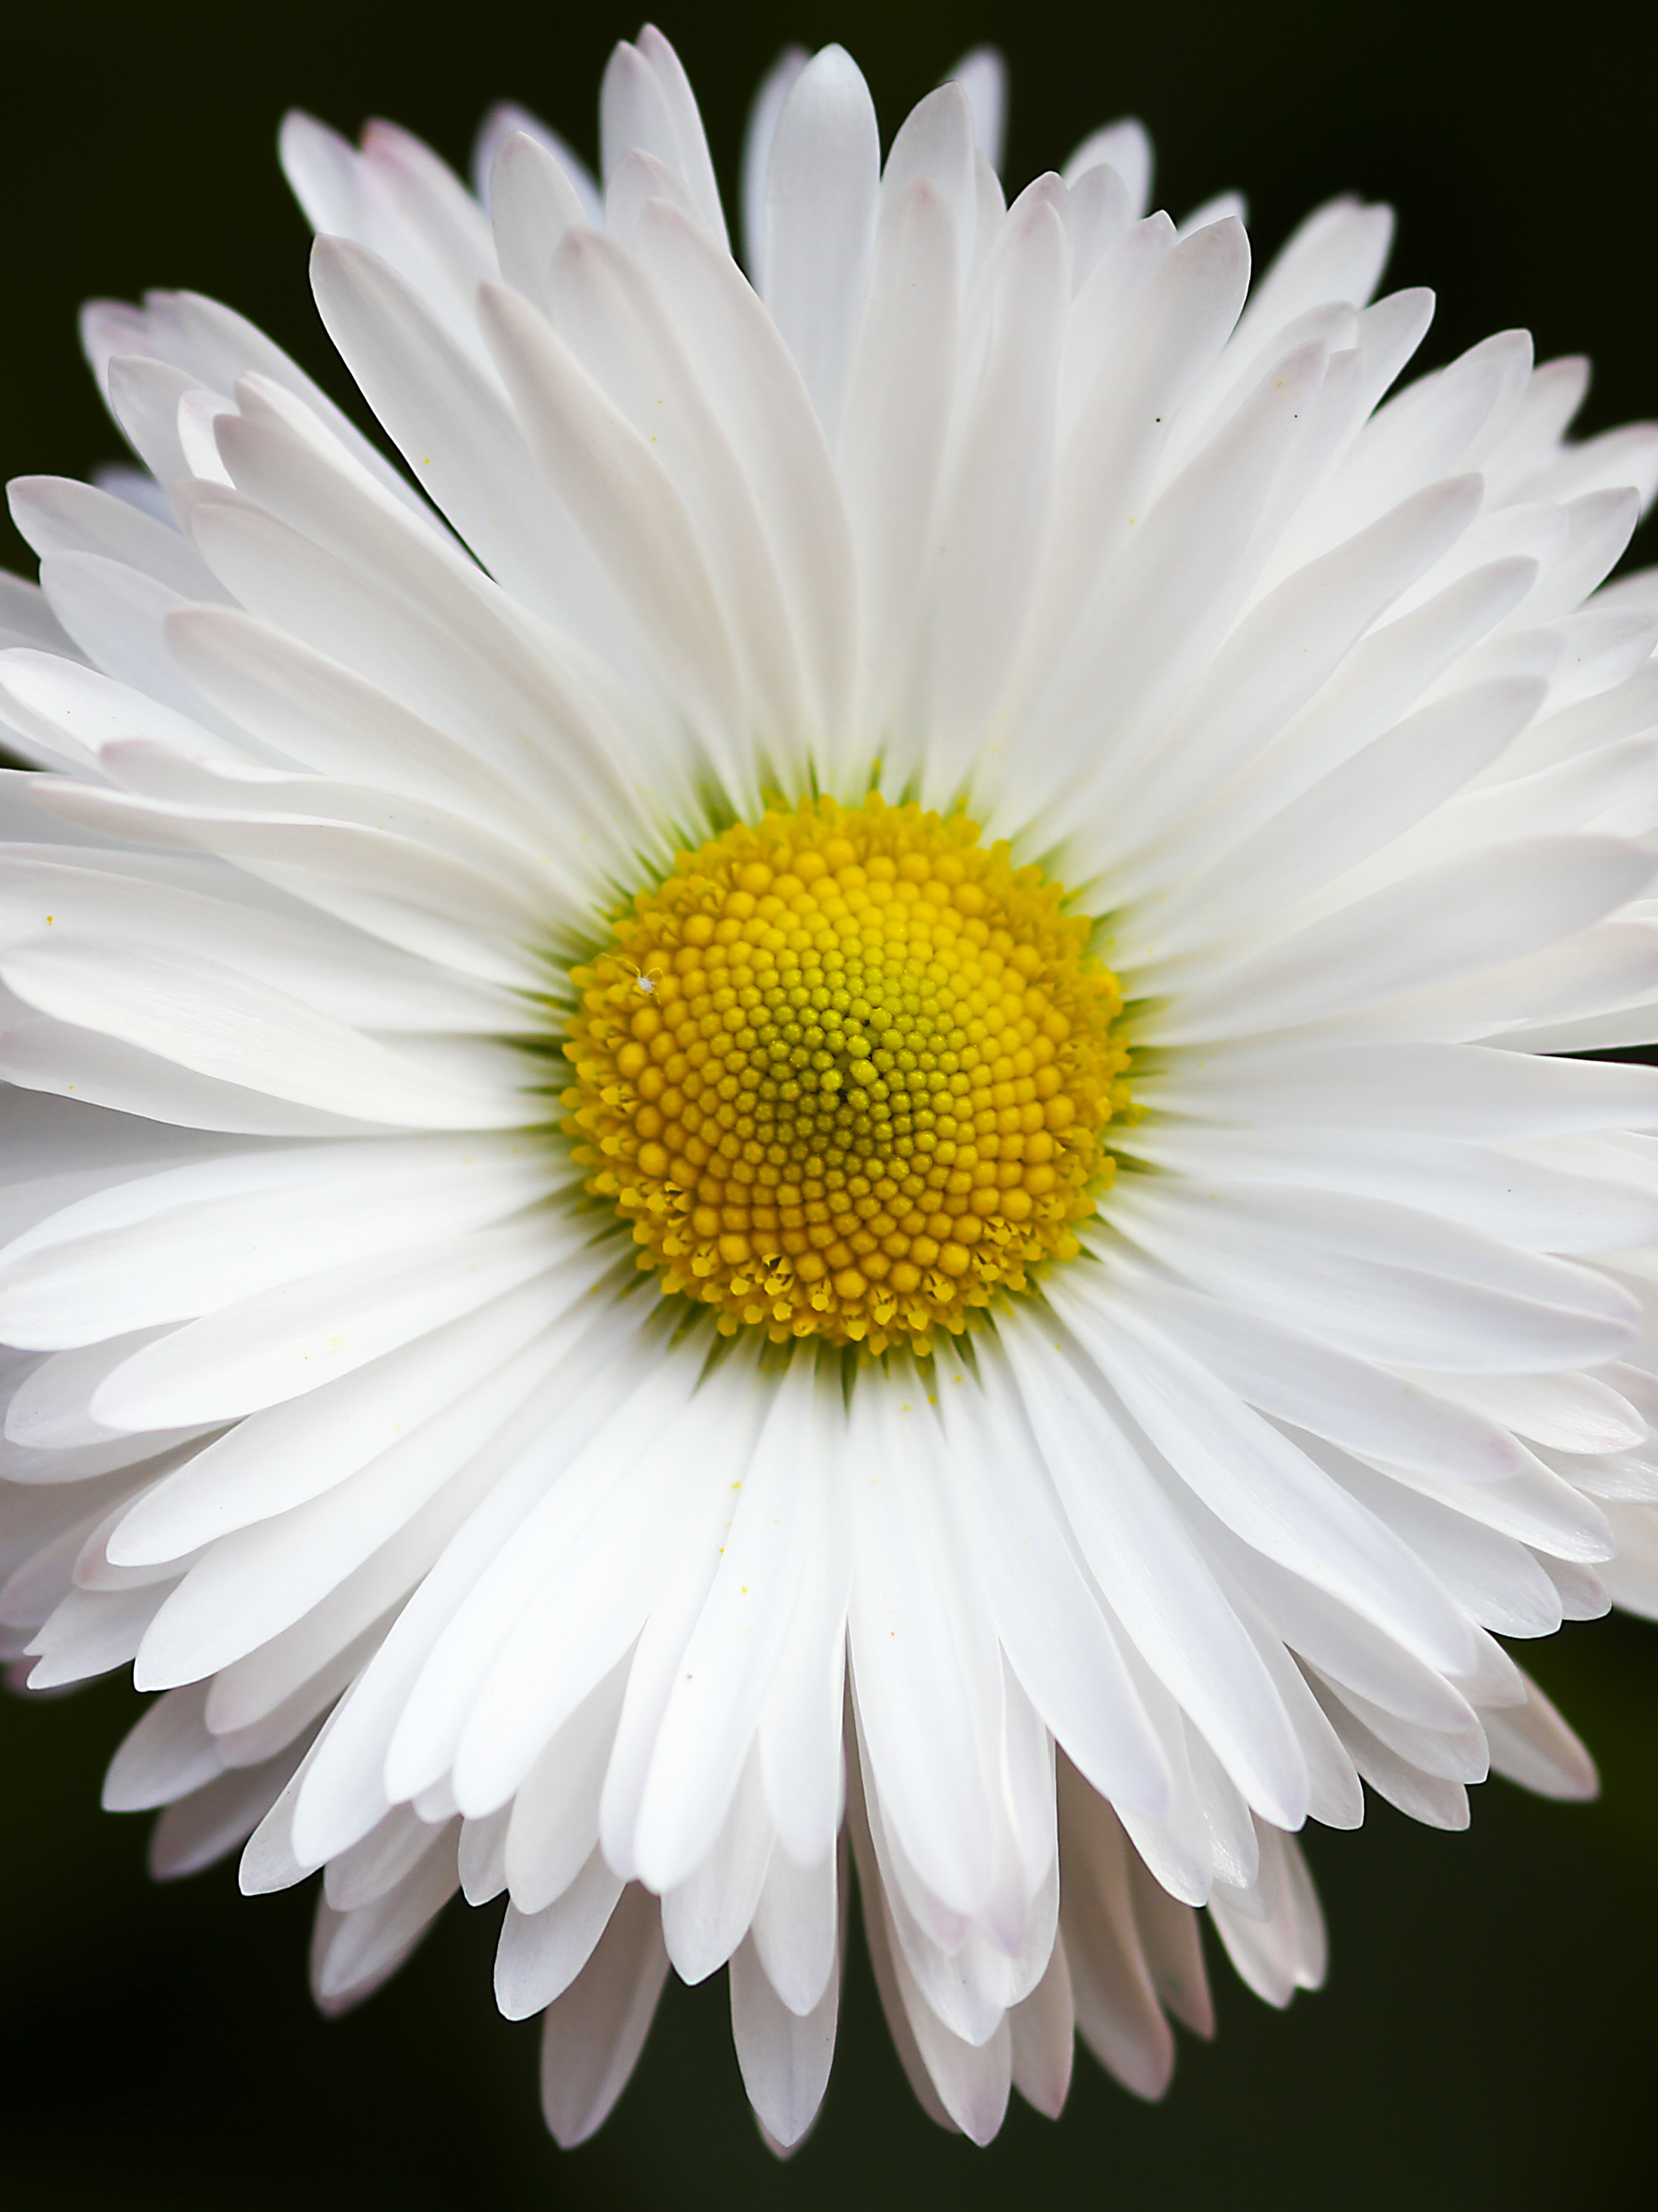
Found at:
[1490, 2034]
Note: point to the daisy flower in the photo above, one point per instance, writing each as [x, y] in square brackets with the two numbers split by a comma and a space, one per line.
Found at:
[797, 1108]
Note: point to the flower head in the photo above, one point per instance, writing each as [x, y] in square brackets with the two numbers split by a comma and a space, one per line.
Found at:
[792, 1108]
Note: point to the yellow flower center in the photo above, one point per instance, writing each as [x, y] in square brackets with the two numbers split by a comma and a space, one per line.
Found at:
[847, 1072]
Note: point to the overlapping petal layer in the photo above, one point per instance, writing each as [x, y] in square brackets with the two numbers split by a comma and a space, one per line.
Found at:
[338, 1409]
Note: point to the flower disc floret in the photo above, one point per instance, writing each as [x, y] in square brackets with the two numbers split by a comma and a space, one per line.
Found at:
[847, 1072]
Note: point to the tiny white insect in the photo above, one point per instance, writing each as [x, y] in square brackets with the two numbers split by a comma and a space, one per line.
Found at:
[645, 981]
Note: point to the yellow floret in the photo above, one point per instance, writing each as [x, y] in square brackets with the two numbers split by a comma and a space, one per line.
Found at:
[847, 1074]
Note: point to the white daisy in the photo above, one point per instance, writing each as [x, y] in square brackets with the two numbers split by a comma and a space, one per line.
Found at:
[617, 1294]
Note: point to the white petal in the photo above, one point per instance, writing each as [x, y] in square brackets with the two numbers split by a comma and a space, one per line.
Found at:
[460, 439]
[936, 142]
[168, 1755]
[252, 1584]
[707, 1916]
[593, 1580]
[767, 105]
[58, 515]
[505, 120]
[353, 1953]
[284, 1342]
[800, 1722]
[1169, 603]
[27, 620]
[1117, 2009]
[1461, 918]
[262, 1701]
[1532, 1745]
[916, 1652]
[541, 1954]
[729, 1662]
[1337, 253]
[1626, 456]
[196, 1831]
[784, 2056]
[694, 163]
[76, 710]
[1181, 321]
[1284, 1950]
[1497, 1579]
[92, 1631]
[795, 1929]
[1123, 147]
[1600, 526]
[618, 327]
[1058, 1641]
[982, 76]
[396, 888]
[333, 968]
[1246, 1473]
[432, 201]
[626, 505]
[532, 201]
[892, 437]
[1293, 641]
[277, 457]
[823, 180]
[1363, 804]
[206, 1018]
[967, 2083]
[314, 711]
[1043, 2028]
[615, 1450]
[766, 411]
[991, 518]
[77, 1065]
[117, 616]
[377, 1862]
[1156, 1579]
[554, 1829]
[343, 1793]
[595, 2032]
[1553, 395]
[679, 1590]
[1455, 1090]
[296, 1451]
[1432, 1799]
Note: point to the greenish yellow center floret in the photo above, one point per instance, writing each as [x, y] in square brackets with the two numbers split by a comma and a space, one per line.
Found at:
[847, 1072]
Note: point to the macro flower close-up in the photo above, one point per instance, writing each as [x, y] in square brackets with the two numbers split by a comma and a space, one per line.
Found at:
[811, 1132]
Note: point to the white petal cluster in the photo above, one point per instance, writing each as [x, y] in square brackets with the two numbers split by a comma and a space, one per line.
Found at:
[341, 1415]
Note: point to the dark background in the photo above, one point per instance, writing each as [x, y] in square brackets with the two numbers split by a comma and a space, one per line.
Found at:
[1489, 2036]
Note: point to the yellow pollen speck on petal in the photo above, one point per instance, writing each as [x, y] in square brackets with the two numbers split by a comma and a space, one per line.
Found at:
[848, 1073]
